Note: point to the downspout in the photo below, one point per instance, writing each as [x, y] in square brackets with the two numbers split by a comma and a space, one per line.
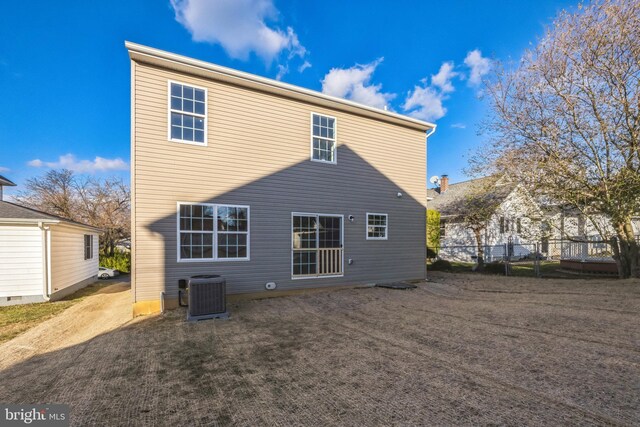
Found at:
[46, 261]
[429, 133]
[433, 130]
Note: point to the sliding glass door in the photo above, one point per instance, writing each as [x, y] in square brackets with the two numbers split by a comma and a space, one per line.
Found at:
[316, 245]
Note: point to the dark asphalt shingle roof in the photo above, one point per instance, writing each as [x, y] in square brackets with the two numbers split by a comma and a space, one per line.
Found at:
[6, 182]
[444, 202]
[10, 210]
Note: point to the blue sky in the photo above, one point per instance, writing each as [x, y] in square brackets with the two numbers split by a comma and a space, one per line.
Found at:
[64, 71]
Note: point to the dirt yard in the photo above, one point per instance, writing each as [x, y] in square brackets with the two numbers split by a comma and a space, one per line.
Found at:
[458, 350]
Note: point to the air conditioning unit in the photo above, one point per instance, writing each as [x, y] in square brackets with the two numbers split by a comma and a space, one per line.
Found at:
[207, 298]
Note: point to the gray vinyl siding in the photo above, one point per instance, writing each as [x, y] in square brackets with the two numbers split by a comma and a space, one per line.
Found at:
[258, 154]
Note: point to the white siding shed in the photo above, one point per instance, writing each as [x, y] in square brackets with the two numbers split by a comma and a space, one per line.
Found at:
[43, 257]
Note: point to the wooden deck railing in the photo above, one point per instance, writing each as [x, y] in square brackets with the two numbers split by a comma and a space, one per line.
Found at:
[329, 261]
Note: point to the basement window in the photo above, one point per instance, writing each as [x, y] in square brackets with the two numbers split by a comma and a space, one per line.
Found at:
[187, 114]
[210, 232]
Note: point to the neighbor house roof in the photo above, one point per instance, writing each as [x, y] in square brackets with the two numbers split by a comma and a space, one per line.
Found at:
[12, 213]
[444, 202]
[6, 182]
[208, 70]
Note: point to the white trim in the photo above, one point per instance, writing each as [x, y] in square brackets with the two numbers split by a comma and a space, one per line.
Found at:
[214, 233]
[138, 52]
[386, 226]
[300, 277]
[28, 221]
[335, 138]
[318, 277]
[132, 183]
[202, 116]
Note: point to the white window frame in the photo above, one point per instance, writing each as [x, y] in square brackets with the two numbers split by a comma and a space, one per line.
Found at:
[335, 139]
[170, 110]
[214, 232]
[309, 276]
[386, 226]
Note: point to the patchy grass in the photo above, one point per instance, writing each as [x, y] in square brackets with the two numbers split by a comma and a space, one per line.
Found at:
[519, 268]
[17, 319]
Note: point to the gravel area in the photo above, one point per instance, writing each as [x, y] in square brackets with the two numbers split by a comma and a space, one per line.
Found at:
[457, 350]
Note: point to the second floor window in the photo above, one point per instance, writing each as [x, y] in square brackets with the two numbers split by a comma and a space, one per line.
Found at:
[188, 113]
[323, 138]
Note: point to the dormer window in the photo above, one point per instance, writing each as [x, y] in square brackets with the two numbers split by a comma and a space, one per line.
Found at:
[187, 114]
[323, 138]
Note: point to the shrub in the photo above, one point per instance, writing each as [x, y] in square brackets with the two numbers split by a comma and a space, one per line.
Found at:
[441, 265]
[431, 253]
[120, 261]
[433, 228]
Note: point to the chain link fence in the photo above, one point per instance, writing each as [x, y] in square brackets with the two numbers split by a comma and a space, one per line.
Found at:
[548, 258]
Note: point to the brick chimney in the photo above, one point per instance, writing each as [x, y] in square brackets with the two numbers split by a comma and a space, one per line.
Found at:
[444, 183]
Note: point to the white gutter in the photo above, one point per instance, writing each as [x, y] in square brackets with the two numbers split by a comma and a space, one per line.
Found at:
[46, 260]
[247, 79]
[27, 221]
[21, 221]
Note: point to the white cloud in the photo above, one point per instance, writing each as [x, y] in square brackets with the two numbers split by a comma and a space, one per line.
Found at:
[69, 161]
[282, 70]
[3, 169]
[442, 80]
[425, 103]
[479, 66]
[353, 83]
[459, 126]
[239, 26]
[304, 66]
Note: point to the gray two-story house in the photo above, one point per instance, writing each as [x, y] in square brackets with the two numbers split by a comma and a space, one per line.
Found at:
[264, 182]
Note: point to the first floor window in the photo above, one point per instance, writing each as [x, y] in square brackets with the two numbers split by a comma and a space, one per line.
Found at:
[213, 232]
[376, 226]
[88, 246]
[443, 228]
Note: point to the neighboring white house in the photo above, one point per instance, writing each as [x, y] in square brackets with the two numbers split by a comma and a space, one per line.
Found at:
[519, 221]
[43, 257]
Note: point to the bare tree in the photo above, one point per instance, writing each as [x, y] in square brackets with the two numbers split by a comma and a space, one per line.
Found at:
[566, 119]
[53, 193]
[104, 204]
